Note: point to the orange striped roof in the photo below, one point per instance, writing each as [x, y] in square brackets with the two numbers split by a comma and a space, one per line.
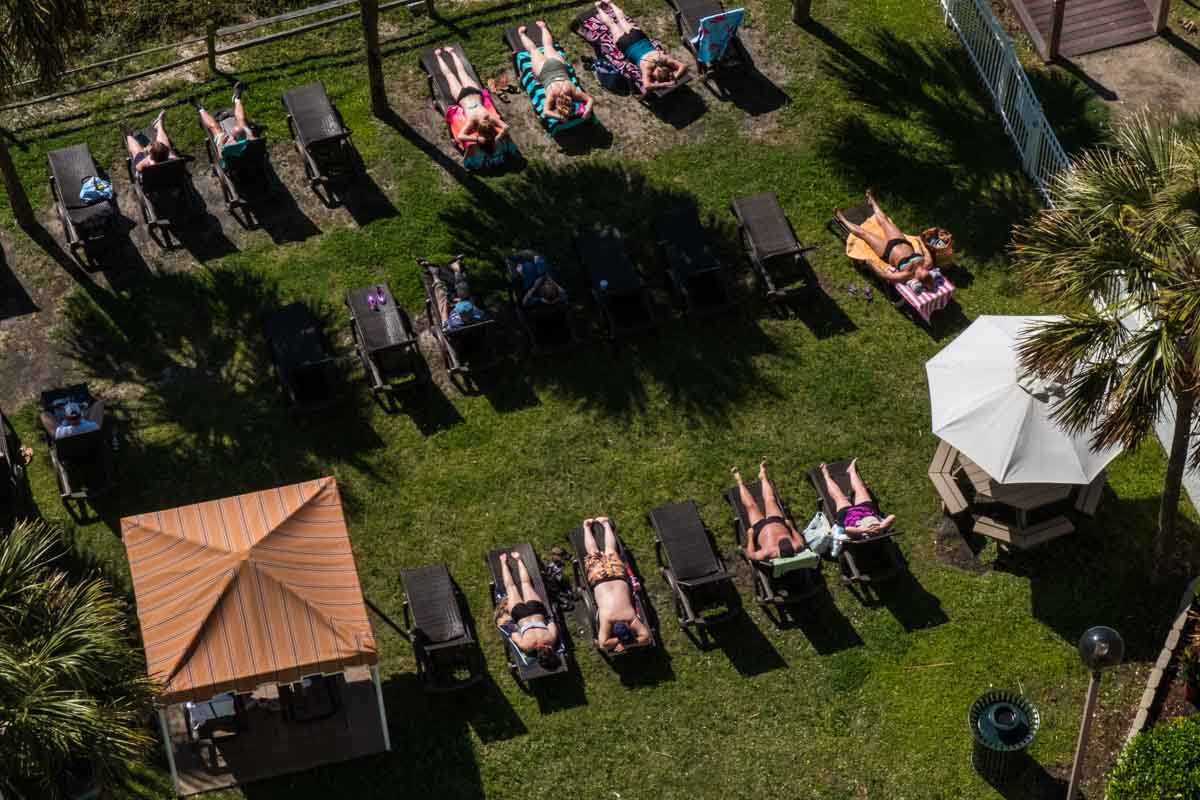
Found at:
[247, 590]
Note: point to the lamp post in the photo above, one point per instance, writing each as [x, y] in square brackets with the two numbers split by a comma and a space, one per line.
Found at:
[1100, 648]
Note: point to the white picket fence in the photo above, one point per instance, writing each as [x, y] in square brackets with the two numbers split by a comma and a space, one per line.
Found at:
[996, 60]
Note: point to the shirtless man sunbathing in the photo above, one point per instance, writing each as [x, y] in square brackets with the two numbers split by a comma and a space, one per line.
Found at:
[620, 627]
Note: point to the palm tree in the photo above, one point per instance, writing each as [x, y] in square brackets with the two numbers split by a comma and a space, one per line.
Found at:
[73, 691]
[33, 41]
[1120, 250]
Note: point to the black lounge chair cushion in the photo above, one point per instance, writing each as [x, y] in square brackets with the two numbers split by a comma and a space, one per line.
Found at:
[296, 337]
[313, 116]
[692, 11]
[766, 225]
[433, 603]
[382, 328]
[688, 546]
[442, 96]
[603, 252]
[70, 166]
[682, 238]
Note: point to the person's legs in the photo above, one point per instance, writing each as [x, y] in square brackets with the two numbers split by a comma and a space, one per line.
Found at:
[589, 540]
[536, 59]
[610, 536]
[441, 294]
[622, 21]
[161, 130]
[528, 593]
[861, 495]
[548, 41]
[890, 230]
[876, 242]
[512, 595]
[48, 422]
[613, 28]
[770, 504]
[133, 145]
[239, 114]
[210, 123]
[835, 492]
[753, 513]
[450, 73]
[461, 75]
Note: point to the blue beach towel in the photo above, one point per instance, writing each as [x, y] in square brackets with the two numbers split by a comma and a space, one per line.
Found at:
[537, 93]
[715, 34]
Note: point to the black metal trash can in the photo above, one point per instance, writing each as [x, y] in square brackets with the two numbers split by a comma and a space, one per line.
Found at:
[1003, 725]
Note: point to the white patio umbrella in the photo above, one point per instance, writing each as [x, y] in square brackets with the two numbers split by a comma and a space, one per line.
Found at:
[984, 405]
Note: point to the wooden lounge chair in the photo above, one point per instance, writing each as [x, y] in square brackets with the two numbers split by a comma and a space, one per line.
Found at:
[865, 559]
[688, 559]
[384, 339]
[696, 274]
[691, 16]
[302, 357]
[780, 582]
[533, 88]
[923, 303]
[322, 139]
[242, 176]
[164, 191]
[772, 247]
[524, 668]
[83, 463]
[467, 349]
[439, 623]
[84, 224]
[641, 600]
[549, 328]
[475, 157]
[616, 284]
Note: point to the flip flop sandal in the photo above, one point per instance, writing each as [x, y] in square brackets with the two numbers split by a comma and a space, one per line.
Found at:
[868, 293]
[852, 289]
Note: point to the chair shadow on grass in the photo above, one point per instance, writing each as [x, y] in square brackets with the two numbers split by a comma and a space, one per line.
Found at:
[968, 180]
[823, 624]
[704, 371]
[748, 650]
[190, 355]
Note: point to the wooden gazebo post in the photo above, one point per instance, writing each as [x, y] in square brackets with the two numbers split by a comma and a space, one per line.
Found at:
[1056, 25]
[1162, 15]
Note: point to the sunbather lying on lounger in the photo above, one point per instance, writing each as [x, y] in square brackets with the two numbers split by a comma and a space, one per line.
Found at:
[539, 287]
[450, 284]
[72, 420]
[620, 626]
[155, 152]
[473, 118]
[772, 534]
[536, 633]
[905, 262]
[551, 71]
[231, 143]
[659, 70]
[862, 517]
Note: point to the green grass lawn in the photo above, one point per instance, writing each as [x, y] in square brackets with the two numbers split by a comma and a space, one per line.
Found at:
[858, 701]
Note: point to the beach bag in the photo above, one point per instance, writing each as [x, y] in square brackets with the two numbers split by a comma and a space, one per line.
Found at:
[610, 77]
[941, 244]
[95, 190]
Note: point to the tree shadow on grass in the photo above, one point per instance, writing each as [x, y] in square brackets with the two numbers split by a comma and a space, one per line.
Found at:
[940, 146]
[187, 354]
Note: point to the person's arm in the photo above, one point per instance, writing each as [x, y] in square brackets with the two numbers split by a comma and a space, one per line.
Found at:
[548, 102]
[604, 636]
[680, 69]
[645, 66]
[586, 99]
[798, 540]
[466, 137]
[501, 127]
[532, 291]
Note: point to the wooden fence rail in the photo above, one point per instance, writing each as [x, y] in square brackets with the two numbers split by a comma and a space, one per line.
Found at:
[212, 49]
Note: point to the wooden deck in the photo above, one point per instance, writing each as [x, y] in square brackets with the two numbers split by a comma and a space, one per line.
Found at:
[1088, 25]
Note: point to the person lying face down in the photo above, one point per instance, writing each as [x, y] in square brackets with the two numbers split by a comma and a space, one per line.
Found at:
[562, 95]
[659, 70]
[620, 626]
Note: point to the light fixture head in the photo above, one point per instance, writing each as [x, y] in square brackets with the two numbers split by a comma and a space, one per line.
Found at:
[1101, 648]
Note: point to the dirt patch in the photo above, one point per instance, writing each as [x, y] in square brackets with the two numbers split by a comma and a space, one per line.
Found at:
[952, 549]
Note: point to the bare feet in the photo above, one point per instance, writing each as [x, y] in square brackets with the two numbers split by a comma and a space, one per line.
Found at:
[824, 469]
[871, 200]
[541, 23]
[762, 470]
[515, 555]
[503, 558]
[587, 523]
[853, 465]
[521, 29]
[737, 474]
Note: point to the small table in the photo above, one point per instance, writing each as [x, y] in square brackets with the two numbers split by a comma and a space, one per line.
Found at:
[1021, 497]
[379, 329]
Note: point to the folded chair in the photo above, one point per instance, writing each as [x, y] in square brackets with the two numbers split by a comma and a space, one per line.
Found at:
[84, 224]
[475, 157]
[697, 275]
[923, 302]
[529, 82]
[772, 246]
[384, 338]
[322, 139]
[439, 624]
[615, 282]
[525, 668]
[467, 349]
[710, 33]
[641, 600]
[780, 581]
[700, 581]
[243, 174]
[549, 327]
[164, 191]
[83, 463]
[301, 356]
[867, 559]
[597, 34]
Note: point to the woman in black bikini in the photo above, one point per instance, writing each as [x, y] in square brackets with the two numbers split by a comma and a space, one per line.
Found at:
[905, 261]
[536, 632]
[772, 534]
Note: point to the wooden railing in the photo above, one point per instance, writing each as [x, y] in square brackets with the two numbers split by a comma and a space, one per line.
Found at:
[212, 49]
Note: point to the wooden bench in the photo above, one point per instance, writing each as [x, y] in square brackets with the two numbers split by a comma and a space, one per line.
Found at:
[1088, 498]
[941, 473]
[1023, 538]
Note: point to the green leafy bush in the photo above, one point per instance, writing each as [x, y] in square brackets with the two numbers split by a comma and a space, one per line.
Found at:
[1162, 763]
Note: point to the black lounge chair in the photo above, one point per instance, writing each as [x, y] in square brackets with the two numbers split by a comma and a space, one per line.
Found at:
[466, 349]
[384, 338]
[84, 224]
[869, 559]
[242, 177]
[782, 582]
[164, 190]
[696, 273]
[439, 623]
[693, 568]
[301, 357]
[83, 463]
[549, 328]
[688, 15]
[322, 139]
[615, 282]
[641, 600]
[525, 668]
[772, 246]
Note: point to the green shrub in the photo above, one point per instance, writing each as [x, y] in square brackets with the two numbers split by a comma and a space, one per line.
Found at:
[1162, 763]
